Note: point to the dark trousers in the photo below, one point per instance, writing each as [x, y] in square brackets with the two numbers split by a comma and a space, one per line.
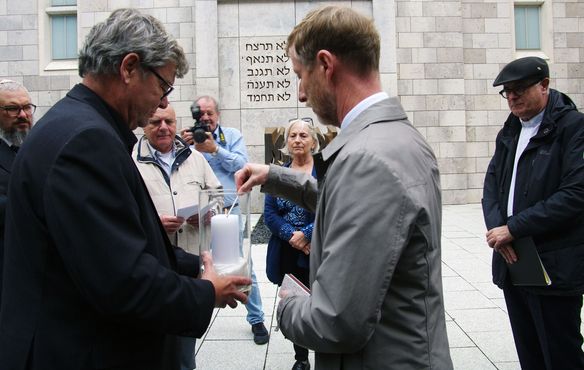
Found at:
[546, 329]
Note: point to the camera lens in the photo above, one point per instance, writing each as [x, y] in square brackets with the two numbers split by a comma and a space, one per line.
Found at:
[199, 135]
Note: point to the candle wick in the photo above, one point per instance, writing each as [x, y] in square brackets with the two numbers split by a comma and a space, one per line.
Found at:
[232, 205]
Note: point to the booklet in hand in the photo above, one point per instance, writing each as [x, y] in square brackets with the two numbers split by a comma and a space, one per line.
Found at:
[292, 286]
[528, 270]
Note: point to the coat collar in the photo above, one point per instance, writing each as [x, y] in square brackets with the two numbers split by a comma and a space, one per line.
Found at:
[386, 110]
[85, 94]
[557, 106]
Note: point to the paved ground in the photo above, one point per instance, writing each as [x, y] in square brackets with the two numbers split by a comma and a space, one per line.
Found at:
[478, 327]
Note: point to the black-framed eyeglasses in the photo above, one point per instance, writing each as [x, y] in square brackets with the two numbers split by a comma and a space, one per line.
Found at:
[14, 110]
[305, 119]
[168, 89]
[518, 90]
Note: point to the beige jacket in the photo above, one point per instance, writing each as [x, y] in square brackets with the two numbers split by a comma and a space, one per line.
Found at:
[190, 174]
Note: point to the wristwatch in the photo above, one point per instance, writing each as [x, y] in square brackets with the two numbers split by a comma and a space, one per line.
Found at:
[216, 151]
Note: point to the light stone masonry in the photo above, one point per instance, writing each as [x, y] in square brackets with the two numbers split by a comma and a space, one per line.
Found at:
[423, 24]
[424, 55]
[451, 86]
[409, 8]
[452, 118]
[425, 87]
[442, 8]
[411, 40]
[426, 118]
[501, 56]
[411, 71]
[566, 24]
[496, 25]
[446, 134]
[439, 57]
[453, 181]
[449, 54]
[448, 24]
[473, 25]
[444, 70]
[575, 9]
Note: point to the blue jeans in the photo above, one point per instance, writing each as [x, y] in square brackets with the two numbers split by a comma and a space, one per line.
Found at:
[255, 311]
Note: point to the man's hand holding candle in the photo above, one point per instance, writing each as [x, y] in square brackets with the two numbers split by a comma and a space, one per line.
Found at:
[226, 287]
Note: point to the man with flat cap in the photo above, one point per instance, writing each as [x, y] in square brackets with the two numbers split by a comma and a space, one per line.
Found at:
[534, 192]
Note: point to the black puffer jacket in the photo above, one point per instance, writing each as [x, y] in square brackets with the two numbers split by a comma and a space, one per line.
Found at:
[549, 193]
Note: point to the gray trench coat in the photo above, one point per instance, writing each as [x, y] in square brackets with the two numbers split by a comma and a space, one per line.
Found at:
[375, 266]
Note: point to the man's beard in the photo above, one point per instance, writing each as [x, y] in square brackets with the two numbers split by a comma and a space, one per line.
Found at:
[326, 109]
[16, 137]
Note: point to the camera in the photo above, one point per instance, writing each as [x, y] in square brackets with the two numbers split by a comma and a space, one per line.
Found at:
[199, 129]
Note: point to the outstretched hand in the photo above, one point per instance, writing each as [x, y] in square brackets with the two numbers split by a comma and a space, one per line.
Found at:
[250, 175]
[226, 287]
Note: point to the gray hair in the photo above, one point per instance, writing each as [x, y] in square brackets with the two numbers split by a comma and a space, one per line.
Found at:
[208, 97]
[10, 85]
[129, 31]
[311, 130]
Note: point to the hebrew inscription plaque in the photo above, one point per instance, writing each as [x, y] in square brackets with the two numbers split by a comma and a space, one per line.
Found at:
[267, 79]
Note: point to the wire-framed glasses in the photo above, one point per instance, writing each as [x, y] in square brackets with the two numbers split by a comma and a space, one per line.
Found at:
[167, 85]
[517, 90]
[14, 110]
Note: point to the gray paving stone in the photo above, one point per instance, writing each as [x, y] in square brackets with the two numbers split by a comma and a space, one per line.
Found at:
[508, 365]
[457, 337]
[470, 358]
[230, 355]
[498, 346]
[487, 319]
[456, 284]
[478, 327]
[460, 300]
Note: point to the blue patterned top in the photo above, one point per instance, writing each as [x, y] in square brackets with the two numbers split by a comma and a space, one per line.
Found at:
[283, 217]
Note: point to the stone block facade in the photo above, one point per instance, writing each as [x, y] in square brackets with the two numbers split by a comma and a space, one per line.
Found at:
[438, 57]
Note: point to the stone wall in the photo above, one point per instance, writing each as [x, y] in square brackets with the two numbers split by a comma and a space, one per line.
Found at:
[439, 57]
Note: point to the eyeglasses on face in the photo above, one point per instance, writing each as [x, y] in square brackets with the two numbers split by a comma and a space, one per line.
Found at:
[14, 110]
[517, 90]
[167, 85]
[305, 119]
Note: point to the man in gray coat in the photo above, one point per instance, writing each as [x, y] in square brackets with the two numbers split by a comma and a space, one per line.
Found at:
[376, 289]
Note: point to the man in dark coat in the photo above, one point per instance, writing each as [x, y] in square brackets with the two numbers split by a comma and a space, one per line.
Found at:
[91, 279]
[16, 110]
[534, 188]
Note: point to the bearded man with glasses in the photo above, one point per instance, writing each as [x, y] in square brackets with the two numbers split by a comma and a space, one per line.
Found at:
[16, 112]
[534, 193]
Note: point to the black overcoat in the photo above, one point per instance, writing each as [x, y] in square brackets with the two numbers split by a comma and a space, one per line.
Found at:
[7, 156]
[549, 194]
[90, 279]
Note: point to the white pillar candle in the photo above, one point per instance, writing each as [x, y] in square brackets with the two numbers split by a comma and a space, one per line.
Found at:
[225, 238]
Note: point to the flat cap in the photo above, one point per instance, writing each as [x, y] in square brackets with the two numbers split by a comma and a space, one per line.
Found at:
[523, 69]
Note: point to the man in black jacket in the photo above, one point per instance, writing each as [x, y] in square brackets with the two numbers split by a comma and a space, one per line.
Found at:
[534, 188]
[16, 110]
[91, 280]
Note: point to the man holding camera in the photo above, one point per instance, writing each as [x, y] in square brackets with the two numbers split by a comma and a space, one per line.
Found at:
[224, 149]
